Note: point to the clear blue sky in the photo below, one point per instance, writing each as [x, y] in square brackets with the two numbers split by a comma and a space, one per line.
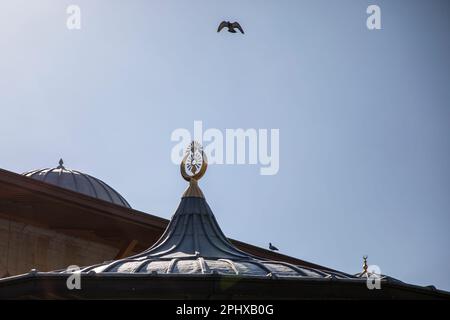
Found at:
[364, 116]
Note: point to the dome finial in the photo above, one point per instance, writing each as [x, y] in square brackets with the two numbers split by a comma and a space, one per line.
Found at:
[61, 164]
[365, 266]
[194, 163]
[193, 167]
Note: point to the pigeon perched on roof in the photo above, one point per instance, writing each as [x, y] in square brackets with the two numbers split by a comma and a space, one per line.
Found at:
[231, 26]
[272, 247]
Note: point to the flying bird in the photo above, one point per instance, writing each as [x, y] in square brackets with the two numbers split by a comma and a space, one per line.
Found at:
[231, 26]
[272, 247]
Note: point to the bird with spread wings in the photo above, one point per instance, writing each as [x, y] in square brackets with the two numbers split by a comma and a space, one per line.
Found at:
[231, 26]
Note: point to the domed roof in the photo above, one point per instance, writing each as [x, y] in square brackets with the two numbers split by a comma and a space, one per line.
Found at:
[79, 182]
[193, 243]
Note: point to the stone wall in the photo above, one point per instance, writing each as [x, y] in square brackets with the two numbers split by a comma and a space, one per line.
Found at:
[24, 247]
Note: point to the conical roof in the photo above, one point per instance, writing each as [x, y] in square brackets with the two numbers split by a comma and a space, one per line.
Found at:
[194, 231]
[193, 243]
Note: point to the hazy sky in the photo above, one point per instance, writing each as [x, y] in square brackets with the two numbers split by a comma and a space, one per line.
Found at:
[364, 116]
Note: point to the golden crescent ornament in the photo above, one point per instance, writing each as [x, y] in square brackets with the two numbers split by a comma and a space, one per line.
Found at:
[194, 163]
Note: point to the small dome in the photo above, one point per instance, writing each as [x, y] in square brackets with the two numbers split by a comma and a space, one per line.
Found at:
[78, 182]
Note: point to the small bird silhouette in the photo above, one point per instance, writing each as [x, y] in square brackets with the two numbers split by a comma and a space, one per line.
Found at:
[231, 26]
[272, 247]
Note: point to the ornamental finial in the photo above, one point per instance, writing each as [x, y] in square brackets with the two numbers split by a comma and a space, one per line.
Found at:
[61, 164]
[194, 164]
[193, 167]
[365, 266]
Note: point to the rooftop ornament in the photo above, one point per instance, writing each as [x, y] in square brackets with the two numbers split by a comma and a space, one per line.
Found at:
[365, 266]
[193, 168]
[61, 164]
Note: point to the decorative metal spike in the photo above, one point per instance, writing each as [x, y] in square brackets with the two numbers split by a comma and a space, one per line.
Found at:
[365, 266]
[61, 164]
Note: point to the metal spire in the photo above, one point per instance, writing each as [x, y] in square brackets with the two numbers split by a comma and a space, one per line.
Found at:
[61, 164]
[365, 266]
